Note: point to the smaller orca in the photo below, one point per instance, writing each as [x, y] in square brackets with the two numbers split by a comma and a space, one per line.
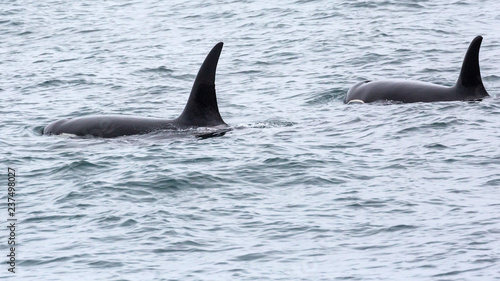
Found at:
[201, 110]
[468, 87]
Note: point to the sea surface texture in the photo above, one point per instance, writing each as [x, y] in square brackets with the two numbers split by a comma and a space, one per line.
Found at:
[304, 187]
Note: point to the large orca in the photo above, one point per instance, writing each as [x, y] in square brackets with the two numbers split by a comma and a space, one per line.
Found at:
[201, 110]
[468, 87]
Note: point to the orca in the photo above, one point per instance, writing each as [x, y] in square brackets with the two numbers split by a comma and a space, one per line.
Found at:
[201, 110]
[469, 86]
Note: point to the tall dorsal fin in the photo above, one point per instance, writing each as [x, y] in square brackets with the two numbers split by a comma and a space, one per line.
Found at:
[201, 109]
[470, 75]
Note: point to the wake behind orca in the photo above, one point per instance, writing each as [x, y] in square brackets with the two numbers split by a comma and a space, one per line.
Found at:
[201, 110]
[468, 87]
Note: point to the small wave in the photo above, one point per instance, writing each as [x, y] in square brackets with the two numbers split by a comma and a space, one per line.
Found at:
[129, 222]
[326, 97]
[70, 196]
[250, 257]
[58, 82]
[159, 70]
[493, 182]
[52, 82]
[77, 166]
[272, 123]
[458, 272]
[399, 227]
[184, 246]
[90, 30]
[25, 33]
[66, 60]
[436, 146]
[52, 218]
[30, 262]
[37, 130]
[105, 264]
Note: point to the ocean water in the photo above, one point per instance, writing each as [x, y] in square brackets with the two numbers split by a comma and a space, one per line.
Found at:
[303, 187]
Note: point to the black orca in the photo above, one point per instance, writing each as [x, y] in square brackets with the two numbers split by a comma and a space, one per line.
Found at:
[468, 87]
[201, 111]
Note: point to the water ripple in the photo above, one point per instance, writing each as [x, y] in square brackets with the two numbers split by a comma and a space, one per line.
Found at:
[302, 188]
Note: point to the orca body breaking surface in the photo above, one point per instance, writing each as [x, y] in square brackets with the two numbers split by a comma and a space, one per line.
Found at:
[469, 86]
[201, 110]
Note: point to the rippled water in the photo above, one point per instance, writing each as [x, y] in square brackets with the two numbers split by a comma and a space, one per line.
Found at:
[303, 187]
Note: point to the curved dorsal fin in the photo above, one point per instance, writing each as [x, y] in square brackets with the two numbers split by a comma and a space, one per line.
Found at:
[201, 109]
[470, 75]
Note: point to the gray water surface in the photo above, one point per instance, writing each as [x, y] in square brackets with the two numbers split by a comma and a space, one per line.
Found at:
[303, 187]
